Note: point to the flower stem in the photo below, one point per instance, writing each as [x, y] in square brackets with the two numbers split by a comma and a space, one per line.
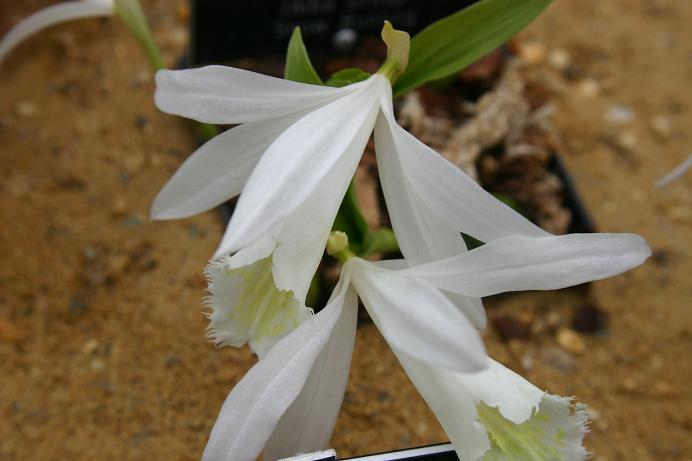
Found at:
[130, 12]
[349, 219]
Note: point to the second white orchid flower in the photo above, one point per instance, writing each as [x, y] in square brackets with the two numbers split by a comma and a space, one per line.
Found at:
[129, 11]
[290, 399]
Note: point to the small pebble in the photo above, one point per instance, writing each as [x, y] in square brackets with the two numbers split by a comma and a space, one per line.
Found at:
[663, 389]
[619, 113]
[532, 52]
[140, 78]
[571, 341]
[594, 415]
[527, 362]
[116, 266]
[90, 346]
[559, 58]
[588, 88]
[119, 207]
[627, 140]
[662, 127]
[98, 365]
[26, 109]
[629, 384]
[133, 162]
[557, 359]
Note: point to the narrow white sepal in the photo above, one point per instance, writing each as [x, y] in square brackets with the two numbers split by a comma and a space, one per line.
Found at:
[52, 15]
[308, 423]
[422, 235]
[255, 405]
[315, 144]
[452, 195]
[417, 318]
[226, 95]
[218, 170]
[525, 263]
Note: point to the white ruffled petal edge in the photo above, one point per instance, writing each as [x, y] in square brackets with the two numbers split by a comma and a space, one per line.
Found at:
[496, 414]
[245, 304]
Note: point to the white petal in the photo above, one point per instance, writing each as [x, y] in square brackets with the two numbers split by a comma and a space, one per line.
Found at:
[495, 414]
[303, 234]
[525, 263]
[455, 409]
[422, 235]
[417, 318]
[218, 170]
[225, 95]
[50, 16]
[471, 307]
[299, 247]
[295, 164]
[453, 196]
[308, 423]
[255, 405]
[246, 305]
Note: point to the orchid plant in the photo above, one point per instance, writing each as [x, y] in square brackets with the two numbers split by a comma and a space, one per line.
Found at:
[291, 159]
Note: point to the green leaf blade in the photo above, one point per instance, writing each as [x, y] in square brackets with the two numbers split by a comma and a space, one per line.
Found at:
[298, 65]
[454, 42]
[347, 77]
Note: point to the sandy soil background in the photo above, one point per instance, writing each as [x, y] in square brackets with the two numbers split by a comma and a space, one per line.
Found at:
[102, 347]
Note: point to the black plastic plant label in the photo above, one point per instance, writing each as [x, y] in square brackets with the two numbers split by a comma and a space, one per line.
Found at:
[440, 452]
[227, 30]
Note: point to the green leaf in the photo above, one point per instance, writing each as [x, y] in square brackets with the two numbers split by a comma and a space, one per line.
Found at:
[350, 220]
[454, 42]
[383, 240]
[346, 77]
[298, 66]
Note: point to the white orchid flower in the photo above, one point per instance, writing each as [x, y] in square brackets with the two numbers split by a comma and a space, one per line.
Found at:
[288, 402]
[52, 15]
[270, 278]
[496, 414]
